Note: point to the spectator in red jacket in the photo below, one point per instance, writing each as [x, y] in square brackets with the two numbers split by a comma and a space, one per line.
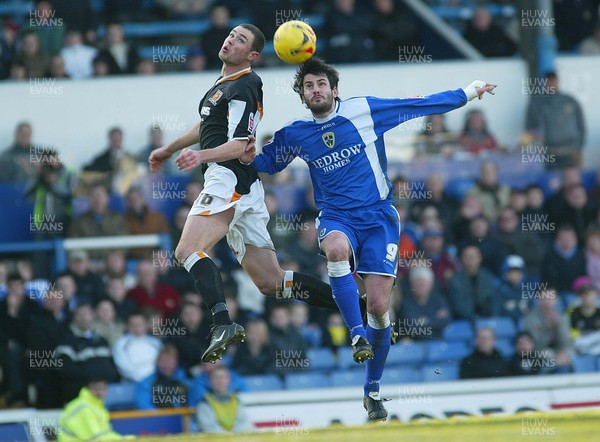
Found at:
[150, 292]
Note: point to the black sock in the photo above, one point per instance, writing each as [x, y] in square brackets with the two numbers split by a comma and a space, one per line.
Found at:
[208, 282]
[314, 291]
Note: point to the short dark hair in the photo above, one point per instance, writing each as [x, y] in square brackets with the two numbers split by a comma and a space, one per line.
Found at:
[14, 276]
[258, 43]
[315, 66]
[551, 75]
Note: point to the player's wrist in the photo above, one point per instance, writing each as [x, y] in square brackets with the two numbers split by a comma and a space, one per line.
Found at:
[471, 90]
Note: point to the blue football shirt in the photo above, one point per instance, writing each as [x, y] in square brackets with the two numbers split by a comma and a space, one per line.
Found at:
[345, 151]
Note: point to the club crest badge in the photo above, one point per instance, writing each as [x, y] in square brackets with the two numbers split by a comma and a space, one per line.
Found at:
[329, 139]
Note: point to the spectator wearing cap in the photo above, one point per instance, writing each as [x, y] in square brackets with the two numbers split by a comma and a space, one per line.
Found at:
[442, 264]
[424, 311]
[83, 353]
[89, 284]
[508, 299]
[564, 261]
[585, 318]
[485, 361]
[526, 360]
[471, 289]
[86, 417]
[550, 329]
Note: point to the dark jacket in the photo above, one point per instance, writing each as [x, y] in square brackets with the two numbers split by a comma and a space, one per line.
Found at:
[246, 363]
[83, 356]
[480, 365]
[471, 298]
[435, 311]
[560, 272]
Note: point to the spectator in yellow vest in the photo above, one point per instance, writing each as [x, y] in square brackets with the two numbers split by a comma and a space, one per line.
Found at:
[86, 417]
[220, 411]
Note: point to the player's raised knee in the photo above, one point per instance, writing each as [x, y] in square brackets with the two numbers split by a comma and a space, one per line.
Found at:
[338, 251]
[182, 252]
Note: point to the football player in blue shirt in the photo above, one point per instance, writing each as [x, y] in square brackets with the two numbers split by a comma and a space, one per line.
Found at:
[359, 228]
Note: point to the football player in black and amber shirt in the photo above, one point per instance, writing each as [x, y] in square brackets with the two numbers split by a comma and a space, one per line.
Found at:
[232, 202]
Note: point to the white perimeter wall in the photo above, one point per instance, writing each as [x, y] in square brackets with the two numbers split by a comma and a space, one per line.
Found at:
[74, 116]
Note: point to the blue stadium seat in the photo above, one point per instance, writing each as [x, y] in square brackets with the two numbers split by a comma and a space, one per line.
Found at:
[411, 353]
[584, 363]
[347, 378]
[506, 347]
[458, 188]
[344, 358]
[296, 381]
[460, 330]
[120, 397]
[267, 382]
[321, 359]
[440, 372]
[503, 327]
[401, 376]
[441, 351]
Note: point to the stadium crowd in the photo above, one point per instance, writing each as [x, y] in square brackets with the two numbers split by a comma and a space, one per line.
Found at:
[82, 39]
[528, 256]
[523, 254]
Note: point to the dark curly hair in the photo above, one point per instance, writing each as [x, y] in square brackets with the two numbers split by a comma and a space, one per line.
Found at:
[315, 66]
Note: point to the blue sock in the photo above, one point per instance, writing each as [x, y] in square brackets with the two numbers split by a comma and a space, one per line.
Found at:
[345, 294]
[380, 341]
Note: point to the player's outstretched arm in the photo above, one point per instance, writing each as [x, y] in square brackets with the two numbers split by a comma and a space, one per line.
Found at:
[163, 153]
[188, 159]
[478, 88]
